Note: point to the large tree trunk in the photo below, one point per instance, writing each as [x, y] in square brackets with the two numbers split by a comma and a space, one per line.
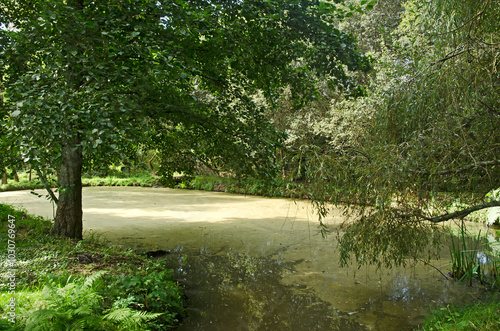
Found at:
[68, 221]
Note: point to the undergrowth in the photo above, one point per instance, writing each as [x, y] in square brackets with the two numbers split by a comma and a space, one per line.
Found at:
[113, 178]
[62, 284]
[248, 186]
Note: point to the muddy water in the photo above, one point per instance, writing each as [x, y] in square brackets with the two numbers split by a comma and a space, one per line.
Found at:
[251, 263]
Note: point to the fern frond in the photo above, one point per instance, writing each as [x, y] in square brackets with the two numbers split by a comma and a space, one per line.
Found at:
[130, 317]
[83, 310]
[89, 281]
[41, 320]
[78, 325]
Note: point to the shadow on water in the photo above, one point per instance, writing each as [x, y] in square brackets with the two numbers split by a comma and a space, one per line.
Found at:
[234, 291]
[230, 290]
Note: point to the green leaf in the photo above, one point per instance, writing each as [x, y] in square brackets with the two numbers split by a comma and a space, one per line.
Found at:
[370, 5]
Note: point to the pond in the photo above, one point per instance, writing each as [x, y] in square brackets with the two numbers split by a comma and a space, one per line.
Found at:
[253, 263]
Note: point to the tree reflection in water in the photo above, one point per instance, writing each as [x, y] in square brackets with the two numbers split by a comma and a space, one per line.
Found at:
[235, 291]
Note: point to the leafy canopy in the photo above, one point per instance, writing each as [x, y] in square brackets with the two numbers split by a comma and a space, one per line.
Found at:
[179, 75]
[87, 82]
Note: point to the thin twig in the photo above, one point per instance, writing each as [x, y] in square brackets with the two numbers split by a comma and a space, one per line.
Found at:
[46, 185]
[430, 265]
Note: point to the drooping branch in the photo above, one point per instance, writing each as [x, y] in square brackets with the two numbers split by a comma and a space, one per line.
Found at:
[476, 16]
[460, 213]
[46, 185]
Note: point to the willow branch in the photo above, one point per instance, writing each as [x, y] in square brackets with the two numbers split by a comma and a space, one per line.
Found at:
[465, 23]
[460, 213]
[450, 55]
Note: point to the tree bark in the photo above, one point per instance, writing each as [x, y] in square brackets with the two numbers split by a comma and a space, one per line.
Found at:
[4, 177]
[69, 215]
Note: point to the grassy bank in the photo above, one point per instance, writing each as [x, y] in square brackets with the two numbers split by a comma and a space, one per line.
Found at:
[246, 186]
[207, 183]
[61, 284]
[114, 178]
[479, 316]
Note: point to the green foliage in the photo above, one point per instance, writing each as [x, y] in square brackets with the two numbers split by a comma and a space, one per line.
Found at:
[391, 241]
[440, 120]
[144, 180]
[154, 292]
[464, 257]
[253, 186]
[26, 225]
[179, 78]
[423, 144]
[112, 178]
[76, 306]
[130, 319]
[22, 185]
[480, 316]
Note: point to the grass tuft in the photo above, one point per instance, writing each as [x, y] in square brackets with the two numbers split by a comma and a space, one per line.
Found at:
[479, 316]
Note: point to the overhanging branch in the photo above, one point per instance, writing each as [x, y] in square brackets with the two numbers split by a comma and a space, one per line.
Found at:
[461, 213]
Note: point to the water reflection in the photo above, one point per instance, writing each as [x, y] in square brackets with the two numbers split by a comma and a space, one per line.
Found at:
[235, 291]
[229, 290]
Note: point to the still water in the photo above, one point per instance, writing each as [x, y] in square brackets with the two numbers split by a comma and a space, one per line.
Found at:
[252, 263]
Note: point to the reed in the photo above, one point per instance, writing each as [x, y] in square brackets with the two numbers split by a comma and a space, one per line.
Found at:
[472, 260]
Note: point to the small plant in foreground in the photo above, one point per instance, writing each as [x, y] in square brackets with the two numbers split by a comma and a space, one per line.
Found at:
[154, 292]
[78, 306]
[74, 306]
